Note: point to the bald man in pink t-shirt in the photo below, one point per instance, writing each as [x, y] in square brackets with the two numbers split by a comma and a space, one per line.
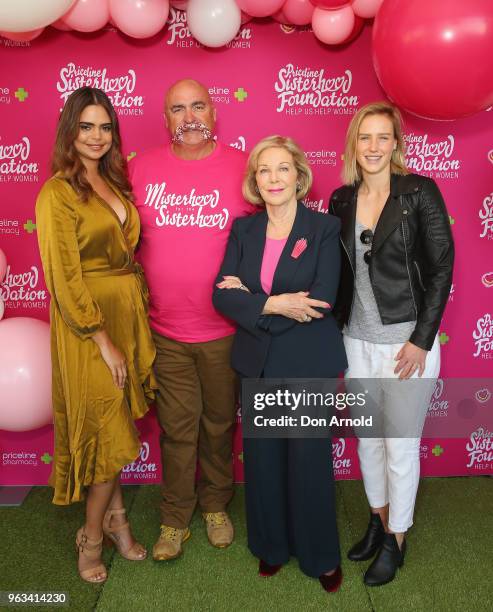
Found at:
[188, 195]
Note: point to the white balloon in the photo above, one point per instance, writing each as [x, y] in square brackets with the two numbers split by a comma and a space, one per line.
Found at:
[27, 15]
[213, 23]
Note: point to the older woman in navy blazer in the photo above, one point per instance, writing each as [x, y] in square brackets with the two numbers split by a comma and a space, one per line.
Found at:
[278, 281]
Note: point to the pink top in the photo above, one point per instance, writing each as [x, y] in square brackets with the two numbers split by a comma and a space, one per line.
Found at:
[186, 209]
[272, 253]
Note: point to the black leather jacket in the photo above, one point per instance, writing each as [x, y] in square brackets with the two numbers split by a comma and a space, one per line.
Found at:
[412, 256]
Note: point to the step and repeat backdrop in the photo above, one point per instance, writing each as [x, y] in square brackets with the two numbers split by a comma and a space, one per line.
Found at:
[271, 79]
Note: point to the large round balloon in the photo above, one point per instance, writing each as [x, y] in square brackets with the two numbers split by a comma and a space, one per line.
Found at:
[366, 8]
[434, 58]
[260, 8]
[25, 374]
[28, 15]
[333, 27]
[139, 18]
[3, 265]
[88, 15]
[298, 12]
[213, 23]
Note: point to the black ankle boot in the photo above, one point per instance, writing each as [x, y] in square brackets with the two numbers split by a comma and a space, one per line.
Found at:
[385, 564]
[371, 542]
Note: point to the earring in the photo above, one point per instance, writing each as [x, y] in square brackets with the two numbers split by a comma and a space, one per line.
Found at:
[298, 186]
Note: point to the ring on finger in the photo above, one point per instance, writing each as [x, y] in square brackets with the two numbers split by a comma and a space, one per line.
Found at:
[306, 318]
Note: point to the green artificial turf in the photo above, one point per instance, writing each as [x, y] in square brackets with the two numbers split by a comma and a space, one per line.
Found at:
[448, 566]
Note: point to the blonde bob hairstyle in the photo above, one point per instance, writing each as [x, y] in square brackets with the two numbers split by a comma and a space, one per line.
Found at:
[351, 173]
[304, 180]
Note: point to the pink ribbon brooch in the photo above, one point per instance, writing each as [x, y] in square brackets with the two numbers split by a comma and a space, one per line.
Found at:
[299, 247]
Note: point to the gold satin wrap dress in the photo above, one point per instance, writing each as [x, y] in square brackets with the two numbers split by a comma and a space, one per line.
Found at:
[87, 257]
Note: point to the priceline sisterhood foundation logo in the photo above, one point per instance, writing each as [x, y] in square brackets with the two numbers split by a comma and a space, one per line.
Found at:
[179, 33]
[15, 163]
[22, 291]
[486, 218]
[342, 464]
[312, 92]
[142, 468]
[432, 158]
[480, 449]
[483, 337]
[119, 88]
[438, 406]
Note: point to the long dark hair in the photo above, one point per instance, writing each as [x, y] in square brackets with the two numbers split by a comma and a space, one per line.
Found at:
[66, 161]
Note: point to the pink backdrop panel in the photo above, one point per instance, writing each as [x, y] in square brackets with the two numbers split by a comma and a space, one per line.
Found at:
[270, 79]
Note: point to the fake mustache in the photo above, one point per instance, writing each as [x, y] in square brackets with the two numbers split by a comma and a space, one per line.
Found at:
[192, 126]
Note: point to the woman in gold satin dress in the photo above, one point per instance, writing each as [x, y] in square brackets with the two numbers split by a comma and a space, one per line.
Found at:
[101, 346]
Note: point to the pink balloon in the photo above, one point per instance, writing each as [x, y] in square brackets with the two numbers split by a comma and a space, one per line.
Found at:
[87, 15]
[359, 22]
[298, 12]
[330, 4]
[260, 8]
[60, 25]
[2, 309]
[366, 8]
[280, 17]
[333, 27]
[434, 58]
[25, 374]
[180, 5]
[3, 265]
[22, 36]
[139, 18]
[245, 18]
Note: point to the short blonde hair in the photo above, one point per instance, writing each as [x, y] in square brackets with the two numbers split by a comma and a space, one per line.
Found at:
[305, 178]
[351, 173]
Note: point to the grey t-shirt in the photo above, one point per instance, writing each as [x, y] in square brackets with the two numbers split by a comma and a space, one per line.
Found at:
[365, 322]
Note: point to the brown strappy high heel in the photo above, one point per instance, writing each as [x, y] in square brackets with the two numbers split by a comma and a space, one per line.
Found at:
[112, 537]
[91, 549]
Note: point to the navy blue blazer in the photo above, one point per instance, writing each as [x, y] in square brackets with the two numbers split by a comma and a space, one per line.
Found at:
[272, 345]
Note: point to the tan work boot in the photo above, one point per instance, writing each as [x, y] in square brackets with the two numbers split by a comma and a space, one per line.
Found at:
[169, 543]
[219, 529]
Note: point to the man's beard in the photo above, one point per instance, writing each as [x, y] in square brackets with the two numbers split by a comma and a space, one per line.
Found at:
[195, 126]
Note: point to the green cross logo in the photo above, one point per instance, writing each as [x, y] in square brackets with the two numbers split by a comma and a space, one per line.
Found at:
[29, 226]
[443, 338]
[21, 94]
[241, 95]
[47, 459]
[451, 220]
[131, 155]
[437, 450]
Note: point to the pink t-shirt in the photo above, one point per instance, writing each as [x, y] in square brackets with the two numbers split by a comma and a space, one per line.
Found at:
[272, 253]
[186, 209]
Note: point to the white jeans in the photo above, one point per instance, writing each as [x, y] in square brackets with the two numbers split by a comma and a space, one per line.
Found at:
[390, 465]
